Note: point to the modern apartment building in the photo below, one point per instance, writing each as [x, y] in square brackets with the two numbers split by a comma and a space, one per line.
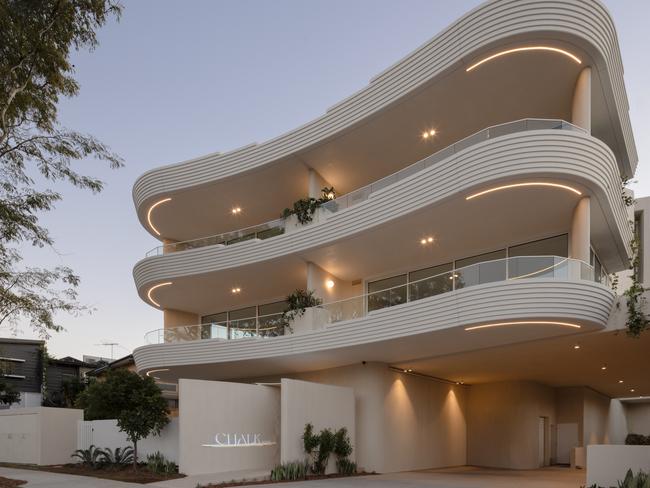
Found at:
[468, 217]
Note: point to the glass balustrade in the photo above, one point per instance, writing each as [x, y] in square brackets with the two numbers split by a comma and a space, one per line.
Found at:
[498, 270]
[277, 227]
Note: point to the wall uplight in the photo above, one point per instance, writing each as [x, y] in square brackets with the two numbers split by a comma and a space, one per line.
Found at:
[159, 202]
[167, 283]
[329, 284]
[523, 49]
[518, 185]
[528, 322]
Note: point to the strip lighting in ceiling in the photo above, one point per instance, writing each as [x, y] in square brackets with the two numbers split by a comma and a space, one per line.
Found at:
[167, 283]
[527, 322]
[519, 185]
[159, 202]
[522, 49]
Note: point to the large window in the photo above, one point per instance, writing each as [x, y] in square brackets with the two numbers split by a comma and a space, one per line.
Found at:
[265, 320]
[484, 268]
[546, 265]
[431, 281]
[386, 292]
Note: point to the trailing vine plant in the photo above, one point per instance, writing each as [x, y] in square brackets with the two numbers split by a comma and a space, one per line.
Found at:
[298, 302]
[305, 208]
[637, 321]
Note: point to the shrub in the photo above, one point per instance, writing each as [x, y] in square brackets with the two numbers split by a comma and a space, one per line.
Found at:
[346, 467]
[305, 208]
[640, 480]
[118, 457]
[92, 457]
[293, 471]
[637, 440]
[319, 447]
[157, 463]
[298, 302]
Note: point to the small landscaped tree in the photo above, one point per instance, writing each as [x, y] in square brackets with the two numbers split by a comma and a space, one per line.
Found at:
[136, 402]
[8, 394]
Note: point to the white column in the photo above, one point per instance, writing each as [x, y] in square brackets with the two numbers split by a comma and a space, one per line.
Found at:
[316, 184]
[580, 234]
[581, 108]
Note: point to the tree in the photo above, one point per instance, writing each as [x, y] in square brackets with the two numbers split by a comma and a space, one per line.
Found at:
[8, 395]
[136, 402]
[36, 39]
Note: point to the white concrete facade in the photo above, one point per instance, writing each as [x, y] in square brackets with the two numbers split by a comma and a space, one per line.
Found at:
[467, 254]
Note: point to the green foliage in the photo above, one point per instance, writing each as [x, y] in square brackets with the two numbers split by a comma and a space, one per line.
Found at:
[67, 397]
[8, 394]
[91, 457]
[305, 208]
[118, 457]
[631, 480]
[637, 321]
[136, 402]
[637, 440]
[320, 446]
[158, 464]
[293, 471]
[36, 39]
[298, 302]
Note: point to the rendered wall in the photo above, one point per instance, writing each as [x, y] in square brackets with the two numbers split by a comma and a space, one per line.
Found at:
[607, 464]
[638, 418]
[211, 407]
[503, 423]
[106, 433]
[324, 406]
[38, 435]
[617, 423]
[596, 415]
[403, 422]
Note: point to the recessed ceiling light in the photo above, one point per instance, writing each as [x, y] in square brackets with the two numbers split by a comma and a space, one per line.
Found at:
[236, 290]
[603, 367]
[329, 284]
[620, 381]
[631, 390]
[425, 135]
[576, 346]
[432, 132]
[409, 370]
[236, 210]
[426, 240]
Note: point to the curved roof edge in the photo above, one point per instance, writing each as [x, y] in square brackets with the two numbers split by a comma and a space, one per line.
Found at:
[585, 22]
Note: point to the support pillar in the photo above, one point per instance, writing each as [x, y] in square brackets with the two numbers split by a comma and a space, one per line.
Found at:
[581, 108]
[316, 184]
[580, 234]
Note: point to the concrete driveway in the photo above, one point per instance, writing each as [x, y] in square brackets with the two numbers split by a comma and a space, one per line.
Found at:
[463, 477]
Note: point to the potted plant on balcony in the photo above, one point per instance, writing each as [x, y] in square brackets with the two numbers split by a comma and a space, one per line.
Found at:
[298, 313]
[303, 211]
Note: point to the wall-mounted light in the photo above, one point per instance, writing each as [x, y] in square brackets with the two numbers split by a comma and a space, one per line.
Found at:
[155, 287]
[159, 202]
[519, 185]
[527, 322]
[329, 284]
[523, 49]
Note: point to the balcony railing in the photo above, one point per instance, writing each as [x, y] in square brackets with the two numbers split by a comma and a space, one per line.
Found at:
[507, 269]
[277, 227]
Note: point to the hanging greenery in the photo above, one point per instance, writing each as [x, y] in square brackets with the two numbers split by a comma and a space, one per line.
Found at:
[298, 302]
[305, 208]
[637, 321]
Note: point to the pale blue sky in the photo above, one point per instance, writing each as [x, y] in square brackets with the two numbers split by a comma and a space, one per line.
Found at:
[178, 79]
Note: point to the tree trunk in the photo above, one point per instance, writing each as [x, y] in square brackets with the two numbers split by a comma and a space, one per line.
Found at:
[135, 455]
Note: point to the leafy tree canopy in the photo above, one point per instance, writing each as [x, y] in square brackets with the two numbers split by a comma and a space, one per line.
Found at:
[36, 40]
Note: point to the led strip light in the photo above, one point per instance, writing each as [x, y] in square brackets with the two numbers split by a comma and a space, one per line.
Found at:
[521, 49]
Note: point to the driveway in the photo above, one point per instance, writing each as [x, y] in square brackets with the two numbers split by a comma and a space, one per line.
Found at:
[463, 477]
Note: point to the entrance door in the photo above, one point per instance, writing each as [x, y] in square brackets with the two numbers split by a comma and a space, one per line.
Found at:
[542, 458]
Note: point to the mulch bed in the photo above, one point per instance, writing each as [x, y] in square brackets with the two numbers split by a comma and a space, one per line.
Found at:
[10, 483]
[311, 477]
[123, 473]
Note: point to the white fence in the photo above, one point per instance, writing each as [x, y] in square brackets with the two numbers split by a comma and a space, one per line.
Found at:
[106, 433]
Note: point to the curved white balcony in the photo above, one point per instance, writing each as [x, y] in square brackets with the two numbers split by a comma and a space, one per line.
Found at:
[536, 297]
[582, 26]
[568, 156]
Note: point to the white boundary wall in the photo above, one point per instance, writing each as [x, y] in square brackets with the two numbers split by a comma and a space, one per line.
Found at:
[106, 433]
[39, 435]
[607, 464]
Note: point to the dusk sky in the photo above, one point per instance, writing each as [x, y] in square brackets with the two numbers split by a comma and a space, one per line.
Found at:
[179, 79]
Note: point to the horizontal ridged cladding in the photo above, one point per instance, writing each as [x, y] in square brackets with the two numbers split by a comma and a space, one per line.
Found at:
[583, 20]
[549, 153]
[582, 302]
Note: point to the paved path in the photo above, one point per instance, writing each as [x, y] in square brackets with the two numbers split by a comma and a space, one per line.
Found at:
[464, 477]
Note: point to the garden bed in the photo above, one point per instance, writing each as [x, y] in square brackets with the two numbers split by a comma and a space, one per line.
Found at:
[121, 473]
[311, 477]
[10, 483]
